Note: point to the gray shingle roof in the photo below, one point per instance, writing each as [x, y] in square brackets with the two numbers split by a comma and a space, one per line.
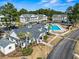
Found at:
[27, 15]
[19, 41]
[59, 15]
[34, 30]
[4, 42]
[31, 15]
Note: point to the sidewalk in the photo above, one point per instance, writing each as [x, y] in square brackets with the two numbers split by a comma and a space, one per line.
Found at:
[46, 44]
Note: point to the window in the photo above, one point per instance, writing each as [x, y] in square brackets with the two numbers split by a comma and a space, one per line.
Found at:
[10, 47]
[40, 37]
[22, 44]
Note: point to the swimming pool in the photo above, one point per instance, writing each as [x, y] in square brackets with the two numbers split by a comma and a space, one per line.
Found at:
[55, 27]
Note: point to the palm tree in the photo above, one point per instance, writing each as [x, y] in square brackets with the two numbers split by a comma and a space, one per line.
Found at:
[22, 35]
[49, 26]
[73, 13]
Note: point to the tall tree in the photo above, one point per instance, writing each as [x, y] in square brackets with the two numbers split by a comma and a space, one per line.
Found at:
[69, 12]
[73, 13]
[23, 11]
[76, 11]
[10, 13]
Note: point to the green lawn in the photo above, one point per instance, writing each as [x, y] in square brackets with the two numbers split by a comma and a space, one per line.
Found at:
[56, 41]
[77, 47]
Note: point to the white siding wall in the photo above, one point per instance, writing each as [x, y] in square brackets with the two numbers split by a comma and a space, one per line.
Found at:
[44, 18]
[22, 20]
[7, 50]
[33, 18]
[1, 49]
[59, 17]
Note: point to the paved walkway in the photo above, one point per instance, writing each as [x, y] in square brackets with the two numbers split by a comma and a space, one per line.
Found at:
[46, 43]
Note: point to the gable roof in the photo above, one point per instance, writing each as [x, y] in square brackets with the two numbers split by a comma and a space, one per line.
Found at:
[35, 30]
[4, 42]
[59, 15]
[32, 15]
[27, 15]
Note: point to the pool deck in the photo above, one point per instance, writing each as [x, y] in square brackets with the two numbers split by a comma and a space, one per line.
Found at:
[62, 29]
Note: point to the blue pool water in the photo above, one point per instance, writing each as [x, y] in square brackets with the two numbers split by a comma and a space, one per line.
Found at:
[54, 27]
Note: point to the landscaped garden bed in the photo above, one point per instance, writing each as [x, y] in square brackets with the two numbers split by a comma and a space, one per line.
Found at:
[26, 51]
[47, 38]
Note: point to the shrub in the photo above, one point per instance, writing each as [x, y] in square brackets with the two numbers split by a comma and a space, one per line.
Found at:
[27, 51]
[45, 37]
[21, 35]
[48, 33]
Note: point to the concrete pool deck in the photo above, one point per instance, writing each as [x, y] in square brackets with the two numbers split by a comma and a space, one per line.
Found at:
[61, 28]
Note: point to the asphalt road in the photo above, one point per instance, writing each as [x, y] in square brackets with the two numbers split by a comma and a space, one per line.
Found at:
[64, 50]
